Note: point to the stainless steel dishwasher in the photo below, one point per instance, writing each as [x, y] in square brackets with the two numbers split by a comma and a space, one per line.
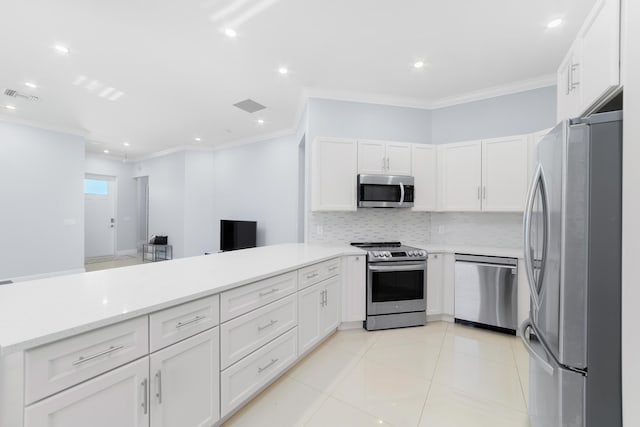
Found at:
[486, 291]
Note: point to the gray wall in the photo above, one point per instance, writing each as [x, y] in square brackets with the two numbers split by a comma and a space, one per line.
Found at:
[41, 201]
[259, 182]
[515, 114]
[126, 205]
[367, 121]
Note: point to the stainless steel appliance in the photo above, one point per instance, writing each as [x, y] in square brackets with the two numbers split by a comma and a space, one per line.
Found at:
[572, 240]
[486, 291]
[396, 285]
[385, 191]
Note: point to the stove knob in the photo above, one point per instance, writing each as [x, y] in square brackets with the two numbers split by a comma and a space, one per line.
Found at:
[423, 253]
[387, 254]
[376, 253]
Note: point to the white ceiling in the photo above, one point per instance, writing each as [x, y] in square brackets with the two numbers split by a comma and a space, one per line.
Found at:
[180, 74]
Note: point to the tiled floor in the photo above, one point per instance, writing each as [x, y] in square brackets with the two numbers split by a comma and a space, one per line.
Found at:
[440, 375]
[107, 262]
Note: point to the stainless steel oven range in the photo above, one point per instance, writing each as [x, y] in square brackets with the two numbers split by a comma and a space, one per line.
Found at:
[396, 285]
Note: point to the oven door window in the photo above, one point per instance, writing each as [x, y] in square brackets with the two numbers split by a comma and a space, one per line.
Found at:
[388, 286]
[379, 193]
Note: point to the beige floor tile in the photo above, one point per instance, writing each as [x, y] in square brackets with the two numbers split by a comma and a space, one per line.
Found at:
[481, 378]
[287, 402]
[335, 413]
[324, 367]
[432, 334]
[522, 362]
[384, 392]
[419, 358]
[479, 345]
[446, 407]
[355, 341]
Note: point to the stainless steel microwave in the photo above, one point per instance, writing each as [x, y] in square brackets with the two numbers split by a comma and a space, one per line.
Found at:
[385, 191]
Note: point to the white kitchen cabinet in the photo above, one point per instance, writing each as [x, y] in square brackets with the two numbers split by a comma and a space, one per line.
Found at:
[185, 381]
[460, 166]
[318, 312]
[117, 398]
[505, 174]
[354, 288]
[425, 171]
[384, 158]
[534, 140]
[448, 285]
[334, 170]
[435, 284]
[590, 72]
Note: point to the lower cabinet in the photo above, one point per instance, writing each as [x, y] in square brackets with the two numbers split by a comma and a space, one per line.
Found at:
[354, 289]
[184, 382]
[117, 398]
[435, 284]
[318, 312]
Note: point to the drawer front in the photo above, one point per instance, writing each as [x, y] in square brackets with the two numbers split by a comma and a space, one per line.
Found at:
[247, 333]
[318, 272]
[62, 364]
[174, 324]
[242, 300]
[242, 380]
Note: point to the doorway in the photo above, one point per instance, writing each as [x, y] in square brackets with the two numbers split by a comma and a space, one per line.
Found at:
[100, 201]
[142, 209]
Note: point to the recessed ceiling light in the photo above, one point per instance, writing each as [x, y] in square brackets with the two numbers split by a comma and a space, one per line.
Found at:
[198, 139]
[283, 70]
[555, 23]
[126, 144]
[31, 85]
[418, 64]
[61, 49]
[10, 107]
[106, 151]
[260, 121]
[230, 32]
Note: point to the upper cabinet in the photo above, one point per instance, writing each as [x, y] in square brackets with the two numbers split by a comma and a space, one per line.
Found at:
[384, 158]
[590, 72]
[489, 175]
[334, 172]
[460, 176]
[425, 172]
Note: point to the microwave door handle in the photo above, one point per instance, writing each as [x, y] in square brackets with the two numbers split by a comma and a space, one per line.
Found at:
[401, 193]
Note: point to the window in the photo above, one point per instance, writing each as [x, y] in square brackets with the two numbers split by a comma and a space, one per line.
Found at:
[96, 186]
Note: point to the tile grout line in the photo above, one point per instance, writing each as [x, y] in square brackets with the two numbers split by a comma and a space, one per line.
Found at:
[524, 397]
[433, 375]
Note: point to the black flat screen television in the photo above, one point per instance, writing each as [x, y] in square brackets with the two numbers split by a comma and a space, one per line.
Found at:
[237, 234]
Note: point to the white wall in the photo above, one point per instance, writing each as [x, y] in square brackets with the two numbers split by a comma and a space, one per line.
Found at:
[126, 204]
[259, 182]
[41, 201]
[631, 214]
[166, 197]
[199, 199]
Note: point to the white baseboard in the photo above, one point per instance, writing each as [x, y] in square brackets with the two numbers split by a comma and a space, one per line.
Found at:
[344, 326]
[46, 275]
[440, 317]
[127, 252]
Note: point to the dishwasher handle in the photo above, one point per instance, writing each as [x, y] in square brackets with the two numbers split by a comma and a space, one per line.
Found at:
[514, 268]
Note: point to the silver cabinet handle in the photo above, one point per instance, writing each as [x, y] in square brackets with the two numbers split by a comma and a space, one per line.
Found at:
[325, 298]
[322, 299]
[272, 291]
[311, 276]
[145, 396]
[268, 365]
[268, 325]
[478, 192]
[188, 322]
[573, 83]
[388, 164]
[484, 192]
[159, 386]
[334, 268]
[384, 166]
[83, 359]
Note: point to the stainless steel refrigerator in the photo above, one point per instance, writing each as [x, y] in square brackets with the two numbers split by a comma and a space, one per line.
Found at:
[572, 241]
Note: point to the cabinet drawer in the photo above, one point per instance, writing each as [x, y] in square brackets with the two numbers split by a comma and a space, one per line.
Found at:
[183, 321]
[59, 365]
[318, 272]
[247, 333]
[242, 300]
[242, 380]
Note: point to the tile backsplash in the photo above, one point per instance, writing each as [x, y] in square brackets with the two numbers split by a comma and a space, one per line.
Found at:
[478, 229]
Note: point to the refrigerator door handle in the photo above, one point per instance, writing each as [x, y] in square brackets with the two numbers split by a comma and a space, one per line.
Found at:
[528, 212]
[522, 331]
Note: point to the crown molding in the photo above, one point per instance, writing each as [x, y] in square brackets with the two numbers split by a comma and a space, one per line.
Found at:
[495, 91]
[84, 133]
[367, 98]
[255, 139]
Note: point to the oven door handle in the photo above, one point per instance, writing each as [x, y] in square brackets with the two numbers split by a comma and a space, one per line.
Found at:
[397, 267]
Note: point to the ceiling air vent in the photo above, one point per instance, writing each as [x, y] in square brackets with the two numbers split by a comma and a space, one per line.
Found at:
[249, 105]
[15, 94]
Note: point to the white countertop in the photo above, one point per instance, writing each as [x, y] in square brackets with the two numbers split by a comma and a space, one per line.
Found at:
[41, 311]
[468, 249]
